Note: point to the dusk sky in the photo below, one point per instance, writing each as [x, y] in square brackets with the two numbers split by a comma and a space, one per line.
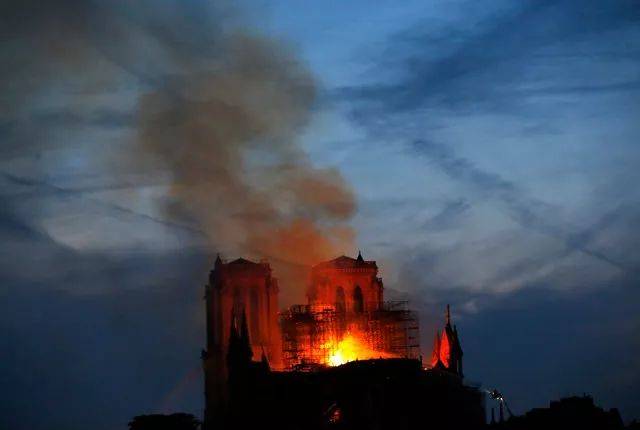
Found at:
[485, 153]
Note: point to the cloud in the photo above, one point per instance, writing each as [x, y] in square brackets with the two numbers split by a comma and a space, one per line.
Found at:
[528, 212]
[529, 109]
[181, 106]
[447, 217]
[498, 63]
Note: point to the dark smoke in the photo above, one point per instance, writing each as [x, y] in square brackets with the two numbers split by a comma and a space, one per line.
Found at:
[228, 137]
[216, 115]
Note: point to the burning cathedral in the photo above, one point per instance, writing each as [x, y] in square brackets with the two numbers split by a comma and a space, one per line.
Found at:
[347, 359]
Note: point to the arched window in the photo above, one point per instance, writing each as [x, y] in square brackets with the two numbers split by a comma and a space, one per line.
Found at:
[340, 302]
[358, 305]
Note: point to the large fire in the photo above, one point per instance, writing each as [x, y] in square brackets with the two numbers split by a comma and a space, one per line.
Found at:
[351, 348]
[345, 319]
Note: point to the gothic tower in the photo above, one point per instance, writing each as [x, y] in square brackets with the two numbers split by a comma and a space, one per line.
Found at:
[238, 288]
[350, 284]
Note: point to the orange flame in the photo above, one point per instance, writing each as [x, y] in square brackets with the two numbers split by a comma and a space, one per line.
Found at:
[351, 348]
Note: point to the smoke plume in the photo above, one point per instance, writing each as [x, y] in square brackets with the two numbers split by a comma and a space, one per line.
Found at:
[213, 113]
[228, 137]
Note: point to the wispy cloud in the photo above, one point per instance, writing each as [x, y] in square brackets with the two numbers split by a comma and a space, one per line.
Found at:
[528, 212]
[487, 66]
[540, 76]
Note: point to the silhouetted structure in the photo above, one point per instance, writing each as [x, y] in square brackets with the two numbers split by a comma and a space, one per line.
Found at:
[312, 391]
[578, 413]
[392, 393]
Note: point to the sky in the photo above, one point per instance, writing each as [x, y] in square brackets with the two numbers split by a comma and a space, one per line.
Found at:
[484, 153]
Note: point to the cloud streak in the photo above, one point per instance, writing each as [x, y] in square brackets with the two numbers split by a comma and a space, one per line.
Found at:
[526, 211]
[482, 68]
[215, 118]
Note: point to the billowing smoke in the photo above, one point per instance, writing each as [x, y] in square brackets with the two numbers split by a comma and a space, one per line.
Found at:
[213, 113]
[228, 135]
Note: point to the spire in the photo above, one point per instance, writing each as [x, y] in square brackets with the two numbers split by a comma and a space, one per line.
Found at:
[360, 259]
[435, 355]
[445, 349]
[218, 260]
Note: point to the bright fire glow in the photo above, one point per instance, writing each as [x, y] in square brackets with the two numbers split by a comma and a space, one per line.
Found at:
[352, 348]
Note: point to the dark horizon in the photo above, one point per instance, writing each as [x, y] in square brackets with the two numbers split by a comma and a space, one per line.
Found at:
[485, 155]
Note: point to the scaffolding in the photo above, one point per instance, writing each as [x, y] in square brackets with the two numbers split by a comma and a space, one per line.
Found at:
[397, 329]
[310, 333]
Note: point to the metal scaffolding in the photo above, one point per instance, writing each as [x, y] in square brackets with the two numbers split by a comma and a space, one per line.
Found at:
[310, 333]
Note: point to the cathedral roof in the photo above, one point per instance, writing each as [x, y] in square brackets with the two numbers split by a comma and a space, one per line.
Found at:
[344, 262]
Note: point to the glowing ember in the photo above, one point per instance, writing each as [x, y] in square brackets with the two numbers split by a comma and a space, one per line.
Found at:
[352, 348]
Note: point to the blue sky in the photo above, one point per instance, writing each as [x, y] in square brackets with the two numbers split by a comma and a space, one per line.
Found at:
[504, 126]
[491, 149]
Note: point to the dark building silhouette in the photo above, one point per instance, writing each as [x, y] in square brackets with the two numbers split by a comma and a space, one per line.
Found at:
[245, 386]
[252, 381]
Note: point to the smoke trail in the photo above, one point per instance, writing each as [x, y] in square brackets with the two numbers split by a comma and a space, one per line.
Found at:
[228, 137]
[215, 108]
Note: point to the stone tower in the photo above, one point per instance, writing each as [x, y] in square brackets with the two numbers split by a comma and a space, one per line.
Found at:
[238, 287]
[350, 284]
